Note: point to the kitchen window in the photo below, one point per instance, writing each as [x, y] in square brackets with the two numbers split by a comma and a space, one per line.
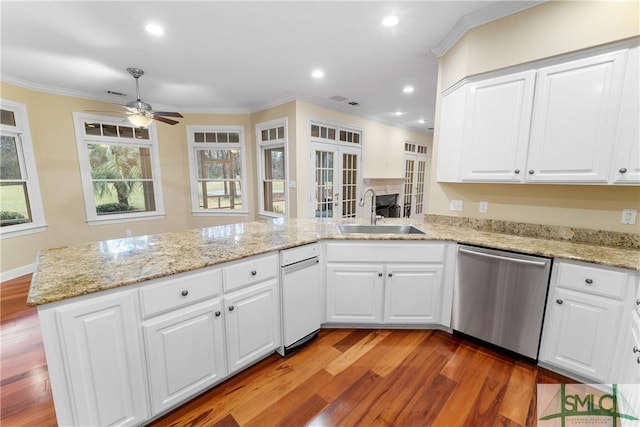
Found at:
[272, 141]
[119, 166]
[217, 165]
[21, 210]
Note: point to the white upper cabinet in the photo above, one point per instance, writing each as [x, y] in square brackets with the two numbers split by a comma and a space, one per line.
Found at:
[575, 115]
[497, 130]
[625, 167]
[570, 122]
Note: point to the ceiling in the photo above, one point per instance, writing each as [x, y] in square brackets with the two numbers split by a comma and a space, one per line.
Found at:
[241, 56]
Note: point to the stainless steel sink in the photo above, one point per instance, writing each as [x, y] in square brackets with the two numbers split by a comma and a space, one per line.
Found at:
[379, 229]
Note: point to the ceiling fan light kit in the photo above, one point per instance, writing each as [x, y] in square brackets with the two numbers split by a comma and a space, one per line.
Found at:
[139, 113]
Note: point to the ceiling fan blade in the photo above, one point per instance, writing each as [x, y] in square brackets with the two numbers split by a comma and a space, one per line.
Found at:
[165, 120]
[167, 113]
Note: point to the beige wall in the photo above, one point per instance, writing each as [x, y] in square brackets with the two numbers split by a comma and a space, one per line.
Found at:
[56, 155]
[382, 151]
[547, 30]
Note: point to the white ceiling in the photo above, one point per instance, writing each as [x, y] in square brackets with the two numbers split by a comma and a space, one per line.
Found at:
[240, 56]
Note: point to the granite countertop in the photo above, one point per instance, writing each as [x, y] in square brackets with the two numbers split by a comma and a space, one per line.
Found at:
[70, 271]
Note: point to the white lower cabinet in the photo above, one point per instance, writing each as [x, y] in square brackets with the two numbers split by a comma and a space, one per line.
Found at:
[185, 353]
[252, 318]
[413, 293]
[587, 310]
[355, 293]
[410, 288]
[95, 360]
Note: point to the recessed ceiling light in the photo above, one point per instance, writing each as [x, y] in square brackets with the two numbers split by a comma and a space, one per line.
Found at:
[390, 21]
[317, 74]
[408, 89]
[154, 29]
[422, 121]
[398, 113]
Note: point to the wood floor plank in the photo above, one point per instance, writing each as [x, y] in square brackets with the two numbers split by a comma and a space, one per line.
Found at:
[346, 403]
[519, 389]
[356, 351]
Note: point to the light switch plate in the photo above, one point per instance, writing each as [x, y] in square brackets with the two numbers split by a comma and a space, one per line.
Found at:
[483, 207]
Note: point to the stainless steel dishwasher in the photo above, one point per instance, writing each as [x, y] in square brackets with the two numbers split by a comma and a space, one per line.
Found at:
[499, 297]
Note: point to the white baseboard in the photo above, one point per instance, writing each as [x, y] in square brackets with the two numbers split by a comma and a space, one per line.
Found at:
[16, 272]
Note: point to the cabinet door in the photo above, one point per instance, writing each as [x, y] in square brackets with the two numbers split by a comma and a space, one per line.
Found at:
[625, 167]
[185, 353]
[413, 294]
[496, 129]
[449, 148]
[574, 119]
[252, 323]
[104, 361]
[580, 333]
[355, 293]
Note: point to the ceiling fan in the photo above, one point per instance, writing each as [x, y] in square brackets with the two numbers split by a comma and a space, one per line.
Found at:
[139, 113]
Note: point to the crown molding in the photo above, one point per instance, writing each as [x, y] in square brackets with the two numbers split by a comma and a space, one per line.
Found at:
[481, 17]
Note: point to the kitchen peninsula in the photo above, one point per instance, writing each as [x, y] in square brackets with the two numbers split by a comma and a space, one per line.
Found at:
[134, 327]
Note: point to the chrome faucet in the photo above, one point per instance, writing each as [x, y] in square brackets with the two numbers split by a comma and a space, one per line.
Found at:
[373, 203]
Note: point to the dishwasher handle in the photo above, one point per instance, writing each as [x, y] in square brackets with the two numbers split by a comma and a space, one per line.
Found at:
[300, 265]
[504, 258]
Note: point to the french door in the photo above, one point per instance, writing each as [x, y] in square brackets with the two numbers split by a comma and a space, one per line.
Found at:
[336, 177]
[413, 190]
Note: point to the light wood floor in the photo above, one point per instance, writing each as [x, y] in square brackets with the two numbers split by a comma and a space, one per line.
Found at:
[346, 377]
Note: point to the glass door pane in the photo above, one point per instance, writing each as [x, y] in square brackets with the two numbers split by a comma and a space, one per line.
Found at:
[349, 185]
[409, 165]
[324, 185]
[420, 176]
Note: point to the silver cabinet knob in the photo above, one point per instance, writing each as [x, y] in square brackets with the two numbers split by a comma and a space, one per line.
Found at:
[559, 301]
[636, 349]
[254, 272]
[638, 302]
[185, 293]
[390, 274]
[217, 313]
[623, 170]
[231, 308]
[531, 172]
[379, 274]
[517, 171]
[588, 281]
[638, 360]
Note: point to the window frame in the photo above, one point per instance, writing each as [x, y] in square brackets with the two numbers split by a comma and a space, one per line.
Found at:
[28, 168]
[261, 147]
[82, 142]
[193, 147]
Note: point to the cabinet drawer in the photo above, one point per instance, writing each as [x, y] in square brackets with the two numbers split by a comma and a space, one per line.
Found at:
[252, 270]
[594, 280]
[167, 294]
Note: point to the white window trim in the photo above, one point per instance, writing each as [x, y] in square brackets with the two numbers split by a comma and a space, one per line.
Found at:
[25, 150]
[193, 169]
[260, 147]
[85, 170]
[338, 127]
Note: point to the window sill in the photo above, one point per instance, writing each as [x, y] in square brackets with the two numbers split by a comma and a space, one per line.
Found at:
[269, 215]
[117, 219]
[221, 213]
[9, 234]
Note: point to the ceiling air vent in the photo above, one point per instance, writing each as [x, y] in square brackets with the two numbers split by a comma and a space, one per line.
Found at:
[113, 92]
[354, 103]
